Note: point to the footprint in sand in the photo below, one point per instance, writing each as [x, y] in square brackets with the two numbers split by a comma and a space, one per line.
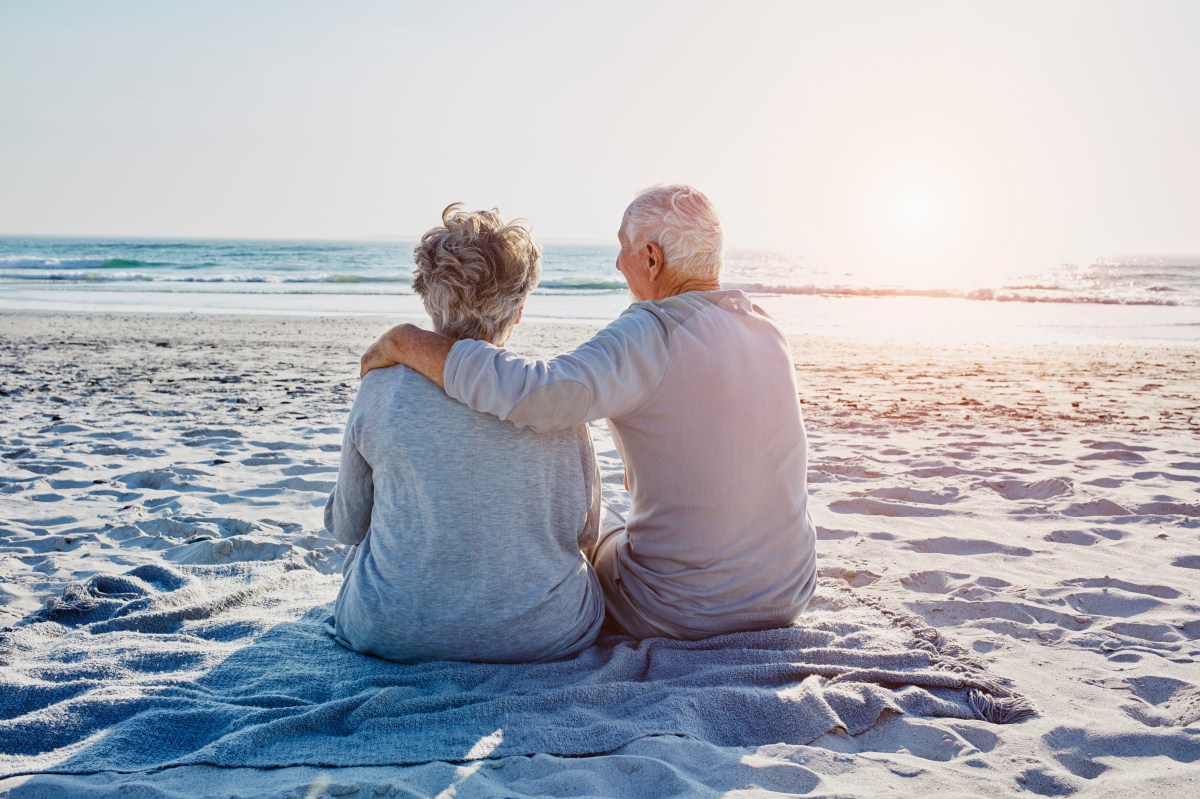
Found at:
[56, 543]
[1110, 599]
[946, 471]
[207, 438]
[1085, 538]
[1179, 478]
[46, 468]
[1009, 617]
[18, 453]
[1112, 602]
[966, 547]
[120, 433]
[1169, 509]
[1171, 702]
[1155, 633]
[875, 507]
[64, 427]
[153, 528]
[826, 534]
[277, 491]
[177, 478]
[855, 577]
[303, 484]
[1115, 446]
[905, 735]
[1149, 589]
[308, 468]
[1157, 690]
[1107, 482]
[266, 459]
[41, 525]
[111, 450]
[181, 527]
[276, 446]
[211, 432]
[1080, 750]
[1123, 455]
[914, 495]
[63, 485]
[933, 582]
[1044, 782]
[1097, 507]
[850, 469]
[1041, 489]
[228, 550]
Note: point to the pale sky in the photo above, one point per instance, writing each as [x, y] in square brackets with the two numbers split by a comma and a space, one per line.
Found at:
[955, 135]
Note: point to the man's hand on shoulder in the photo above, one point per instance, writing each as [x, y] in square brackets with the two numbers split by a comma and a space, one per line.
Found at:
[413, 347]
[388, 350]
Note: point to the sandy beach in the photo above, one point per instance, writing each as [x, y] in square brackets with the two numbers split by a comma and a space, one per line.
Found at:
[1036, 504]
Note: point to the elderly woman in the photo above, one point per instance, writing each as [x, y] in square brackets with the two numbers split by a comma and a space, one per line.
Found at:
[699, 391]
[469, 530]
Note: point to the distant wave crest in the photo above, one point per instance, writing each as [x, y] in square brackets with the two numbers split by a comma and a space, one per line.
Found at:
[143, 277]
[583, 284]
[983, 294]
[124, 270]
[23, 262]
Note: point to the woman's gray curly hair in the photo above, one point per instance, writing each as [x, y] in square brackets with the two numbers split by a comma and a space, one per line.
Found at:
[474, 273]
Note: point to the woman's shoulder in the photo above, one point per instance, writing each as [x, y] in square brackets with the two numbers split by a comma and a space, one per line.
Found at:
[392, 379]
[384, 392]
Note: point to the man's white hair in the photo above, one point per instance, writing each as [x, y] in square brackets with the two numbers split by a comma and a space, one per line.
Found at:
[683, 222]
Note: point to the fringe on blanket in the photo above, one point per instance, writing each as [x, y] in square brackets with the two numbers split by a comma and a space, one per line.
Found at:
[999, 709]
[988, 697]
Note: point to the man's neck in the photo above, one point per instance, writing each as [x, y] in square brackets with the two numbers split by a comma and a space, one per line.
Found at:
[684, 285]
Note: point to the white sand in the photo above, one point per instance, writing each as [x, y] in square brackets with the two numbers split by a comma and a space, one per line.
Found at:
[1039, 505]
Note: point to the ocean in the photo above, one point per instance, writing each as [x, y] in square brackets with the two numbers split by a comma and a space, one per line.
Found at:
[1135, 298]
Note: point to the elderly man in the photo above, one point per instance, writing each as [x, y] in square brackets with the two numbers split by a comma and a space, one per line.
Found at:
[698, 388]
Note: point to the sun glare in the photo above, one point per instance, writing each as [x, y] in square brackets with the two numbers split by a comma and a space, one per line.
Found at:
[913, 224]
[917, 212]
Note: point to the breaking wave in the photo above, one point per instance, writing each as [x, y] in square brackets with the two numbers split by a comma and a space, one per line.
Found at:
[1032, 293]
[365, 267]
[1052, 294]
[22, 262]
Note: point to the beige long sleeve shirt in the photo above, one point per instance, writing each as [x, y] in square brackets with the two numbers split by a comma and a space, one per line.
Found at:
[699, 392]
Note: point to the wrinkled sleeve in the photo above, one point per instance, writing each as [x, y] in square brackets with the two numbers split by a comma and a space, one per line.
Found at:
[589, 534]
[348, 509]
[610, 376]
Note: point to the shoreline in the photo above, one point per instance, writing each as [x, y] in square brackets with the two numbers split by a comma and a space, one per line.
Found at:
[843, 380]
[921, 320]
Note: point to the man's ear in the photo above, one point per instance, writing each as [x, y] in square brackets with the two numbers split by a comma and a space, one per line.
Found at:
[654, 259]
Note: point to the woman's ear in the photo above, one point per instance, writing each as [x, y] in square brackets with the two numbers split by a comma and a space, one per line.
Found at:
[520, 313]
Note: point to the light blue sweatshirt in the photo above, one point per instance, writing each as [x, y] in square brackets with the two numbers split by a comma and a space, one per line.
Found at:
[468, 530]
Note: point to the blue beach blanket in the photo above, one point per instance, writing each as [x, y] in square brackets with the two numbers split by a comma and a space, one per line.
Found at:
[233, 666]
